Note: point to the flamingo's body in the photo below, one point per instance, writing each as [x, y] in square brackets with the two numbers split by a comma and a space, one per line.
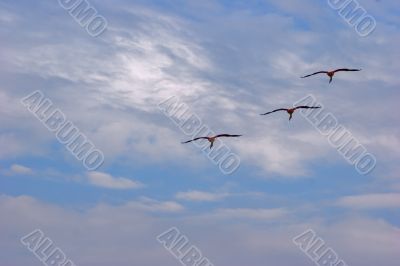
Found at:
[330, 74]
[290, 111]
[213, 138]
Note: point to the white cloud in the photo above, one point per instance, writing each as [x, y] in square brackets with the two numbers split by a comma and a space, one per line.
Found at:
[225, 61]
[131, 235]
[152, 205]
[8, 17]
[396, 186]
[108, 181]
[371, 201]
[195, 195]
[251, 214]
[11, 146]
[20, 169]
[166, 55]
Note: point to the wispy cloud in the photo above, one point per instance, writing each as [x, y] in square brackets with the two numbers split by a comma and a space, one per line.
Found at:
[195, 195]
[20, 170]
[158, 54]
[250, 214]
[204, 196]
[371, 201]
[228, 61]
[148, 204]
[229, 244]
[108, 181]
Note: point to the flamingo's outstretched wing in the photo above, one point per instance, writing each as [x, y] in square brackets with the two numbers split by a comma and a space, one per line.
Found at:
[194, 140]
[316, 73]
[228, 136]
[346, 69]
[277, 110]
[307, 107]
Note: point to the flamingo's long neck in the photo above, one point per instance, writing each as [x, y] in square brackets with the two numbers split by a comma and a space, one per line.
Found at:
[290, 112]
[211, 140]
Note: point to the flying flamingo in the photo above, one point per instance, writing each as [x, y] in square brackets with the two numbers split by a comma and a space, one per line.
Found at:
[212, 139]
[331, 73]
[290, 111]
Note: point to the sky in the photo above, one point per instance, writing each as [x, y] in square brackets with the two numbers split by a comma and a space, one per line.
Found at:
[228, 62]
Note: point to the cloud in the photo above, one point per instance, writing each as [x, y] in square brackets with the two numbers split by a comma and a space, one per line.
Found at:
[204, 196]
[195, 195]
[108, 181]
[20, 169]
[250, 214]
[131, 235]
[396, 186]
[11, 146]
[371, 201]
[228, 62]
[152, 205]
[156, 54]
[7, 17]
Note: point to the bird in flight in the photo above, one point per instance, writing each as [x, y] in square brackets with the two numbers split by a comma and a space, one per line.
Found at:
[290, 111]
[212, 139]
[331, 73]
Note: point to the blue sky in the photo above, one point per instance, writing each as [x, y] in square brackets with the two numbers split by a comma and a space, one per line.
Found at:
[228, 61]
